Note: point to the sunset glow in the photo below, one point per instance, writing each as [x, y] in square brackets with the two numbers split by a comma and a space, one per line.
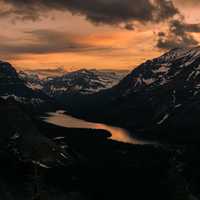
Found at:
[72, 40]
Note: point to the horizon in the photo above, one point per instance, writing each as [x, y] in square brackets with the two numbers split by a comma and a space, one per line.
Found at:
[116, 35]
[70, 69]
[74, 69]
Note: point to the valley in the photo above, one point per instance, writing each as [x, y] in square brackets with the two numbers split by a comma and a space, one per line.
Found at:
[87, 137]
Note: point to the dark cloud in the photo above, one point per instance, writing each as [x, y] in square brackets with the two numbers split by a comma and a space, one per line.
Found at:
[111, 12]
[161, 34]
[195, 28]
[172, 42]
[165, 9]
[53, 71]
[179, 35]
[178, 27]
[129, 26]
[188, 2]
[47, 41]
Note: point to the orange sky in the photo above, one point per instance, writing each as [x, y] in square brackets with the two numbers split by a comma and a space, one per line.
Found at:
[89, 45]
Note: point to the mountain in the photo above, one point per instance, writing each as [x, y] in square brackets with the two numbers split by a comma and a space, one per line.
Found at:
[20, 136]
[159, 96]
[73, 85]
[82, 82]
[44, 161]
[44, 73]
[12, 86]
[32, 80]
[26, 153]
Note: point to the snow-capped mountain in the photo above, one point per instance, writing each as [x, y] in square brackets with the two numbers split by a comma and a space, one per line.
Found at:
[164, 93]
[73, 85]
[160, 94]
[82, 82]
[32, 80]
[35, 79]
[175, 66]
[12, 86]
[43, 73]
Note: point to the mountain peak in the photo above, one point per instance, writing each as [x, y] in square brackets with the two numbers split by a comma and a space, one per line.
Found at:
[178, 53]
[83, 71]
[161, 93]
[7, 69]
[167, 67]
[12, 86]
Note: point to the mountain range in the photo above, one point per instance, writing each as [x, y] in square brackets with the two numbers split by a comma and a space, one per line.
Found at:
[161, 96]
[73, 85]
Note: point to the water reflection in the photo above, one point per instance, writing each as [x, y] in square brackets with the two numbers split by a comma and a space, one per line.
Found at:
[119, 134]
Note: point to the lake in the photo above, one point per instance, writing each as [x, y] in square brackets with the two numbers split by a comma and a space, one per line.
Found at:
[119, 134]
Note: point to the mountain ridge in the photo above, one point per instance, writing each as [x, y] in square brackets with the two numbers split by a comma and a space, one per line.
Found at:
[12, 86]
[160, 95]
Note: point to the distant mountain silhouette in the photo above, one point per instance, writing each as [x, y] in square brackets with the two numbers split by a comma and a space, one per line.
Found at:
[73, 85]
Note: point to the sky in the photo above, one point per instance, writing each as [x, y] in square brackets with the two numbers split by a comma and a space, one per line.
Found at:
[114, 34]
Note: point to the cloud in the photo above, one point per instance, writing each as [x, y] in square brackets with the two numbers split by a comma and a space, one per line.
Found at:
[43, 70]
[165, 9]
[179, 35]
[112, 12]
[129, 26]
[187, 2]
[47, 41]
[180, 32]
[123, 13]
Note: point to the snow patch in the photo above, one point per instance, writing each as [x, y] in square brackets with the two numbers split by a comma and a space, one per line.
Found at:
[148, 81]
[163, 69]
[163, 119]
[178, 105]
[40, 164]
[23, 99]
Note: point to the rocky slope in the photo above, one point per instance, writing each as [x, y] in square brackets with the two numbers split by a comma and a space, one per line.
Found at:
[160, 95]
[21, 137]
[12, 86]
